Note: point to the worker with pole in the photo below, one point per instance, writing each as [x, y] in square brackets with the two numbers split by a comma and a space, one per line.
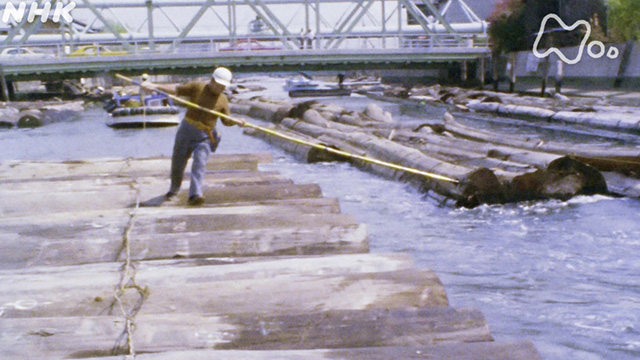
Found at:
[228, 120]
[197, 134]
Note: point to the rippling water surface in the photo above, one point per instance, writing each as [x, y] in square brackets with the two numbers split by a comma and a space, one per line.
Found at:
[562, 274]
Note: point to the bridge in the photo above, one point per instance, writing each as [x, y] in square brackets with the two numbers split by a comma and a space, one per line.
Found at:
[181, 36]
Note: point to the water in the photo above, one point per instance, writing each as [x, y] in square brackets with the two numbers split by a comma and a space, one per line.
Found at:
[562, 274]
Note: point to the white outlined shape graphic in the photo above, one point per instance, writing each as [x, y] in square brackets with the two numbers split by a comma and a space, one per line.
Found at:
[600, 53]
[556, 50]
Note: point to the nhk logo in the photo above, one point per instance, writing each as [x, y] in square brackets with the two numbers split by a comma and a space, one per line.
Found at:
[611, 54]
[60, 10]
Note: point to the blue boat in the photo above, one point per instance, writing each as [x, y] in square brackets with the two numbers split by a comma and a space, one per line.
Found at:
[158, 111]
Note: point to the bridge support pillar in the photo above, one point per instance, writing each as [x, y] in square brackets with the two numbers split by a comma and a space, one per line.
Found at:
[511, 67]
[464, 68]
[481, 71]
[494, 70]
[4, 86]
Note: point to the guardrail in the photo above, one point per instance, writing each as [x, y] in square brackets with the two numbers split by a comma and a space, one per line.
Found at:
[256, 44]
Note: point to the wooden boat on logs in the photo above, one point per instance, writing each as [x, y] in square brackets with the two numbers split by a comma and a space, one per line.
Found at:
[300, 86]
[300, 83]
[320, 92]
[158, 111]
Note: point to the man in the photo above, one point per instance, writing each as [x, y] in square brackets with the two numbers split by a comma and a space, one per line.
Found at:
[309, 39]
[197, 134]
[142, 91]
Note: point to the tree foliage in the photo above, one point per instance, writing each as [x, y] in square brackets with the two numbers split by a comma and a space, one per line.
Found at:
[514, 24]
[624, 19]
[506, 29]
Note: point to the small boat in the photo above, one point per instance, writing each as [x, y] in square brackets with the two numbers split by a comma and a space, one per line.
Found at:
[320, 92]
[158, 111]
[301, 86]
[299, 83]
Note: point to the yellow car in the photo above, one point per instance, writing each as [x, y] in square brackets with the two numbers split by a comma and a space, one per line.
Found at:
[96, 50]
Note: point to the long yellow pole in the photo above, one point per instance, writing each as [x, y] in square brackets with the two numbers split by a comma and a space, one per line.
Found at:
[300, 141]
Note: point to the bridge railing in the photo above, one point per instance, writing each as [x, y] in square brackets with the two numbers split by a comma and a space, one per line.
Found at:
[260, 44]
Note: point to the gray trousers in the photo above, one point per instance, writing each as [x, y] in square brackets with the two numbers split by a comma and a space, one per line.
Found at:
[189, 140]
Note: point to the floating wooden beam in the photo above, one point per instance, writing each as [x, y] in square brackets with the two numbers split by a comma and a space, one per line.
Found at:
[74, 337]
[356, 282]
[514, 350]
[125, 167]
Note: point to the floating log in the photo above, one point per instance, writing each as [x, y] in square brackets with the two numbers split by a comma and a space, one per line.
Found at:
[471, 191]
[509, 156]
[622, 185]
[375, 113]
[32, 115]
[268, 111]
[510, 159]
[9, 117]
[563, 179]
[511, 109]
[31, 119]
[303, 152]
[616, 121]
[621, 159]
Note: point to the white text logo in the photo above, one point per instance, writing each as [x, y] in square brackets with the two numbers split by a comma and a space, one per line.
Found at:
[612, 54]
[61, 10]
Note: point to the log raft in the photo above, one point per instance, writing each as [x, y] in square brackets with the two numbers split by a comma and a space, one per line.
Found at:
[97, 265]
[490, 167]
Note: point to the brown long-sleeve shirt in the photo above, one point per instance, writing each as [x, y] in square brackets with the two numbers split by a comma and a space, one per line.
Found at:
[201, 94]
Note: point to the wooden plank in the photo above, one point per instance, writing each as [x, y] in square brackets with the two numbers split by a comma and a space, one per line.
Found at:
[130, 167]
[161, 181]
[326, 239]
[359, 328]
[41, 199]
[294, 294]
[110, 224]
[326, 283]
[237, 161]
[59, 338]
[242, 193]
[74, 337]
[167, 222]
[512, 350]
[18, 251]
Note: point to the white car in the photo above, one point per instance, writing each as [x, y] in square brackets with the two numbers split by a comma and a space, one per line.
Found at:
[22, 52]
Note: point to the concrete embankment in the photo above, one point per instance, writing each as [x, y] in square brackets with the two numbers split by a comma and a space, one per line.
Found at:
[489, 167]
[96, 264]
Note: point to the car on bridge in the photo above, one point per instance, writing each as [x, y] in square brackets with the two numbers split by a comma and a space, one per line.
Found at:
[22, 52]
[250, 45]
[96, 50]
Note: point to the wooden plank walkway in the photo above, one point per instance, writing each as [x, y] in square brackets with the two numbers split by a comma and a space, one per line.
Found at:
[94, 264]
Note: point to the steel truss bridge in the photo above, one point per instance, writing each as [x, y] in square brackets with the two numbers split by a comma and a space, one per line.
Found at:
[179, 36]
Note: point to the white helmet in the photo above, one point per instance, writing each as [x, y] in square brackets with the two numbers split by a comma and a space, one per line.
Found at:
[222, 76]
[145, 76]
